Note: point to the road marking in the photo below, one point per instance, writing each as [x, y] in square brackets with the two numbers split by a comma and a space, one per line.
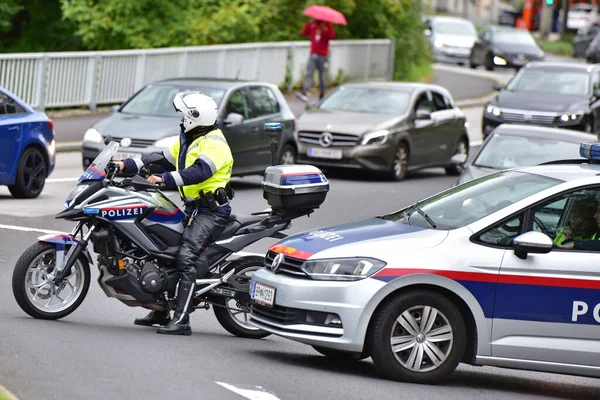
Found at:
[257, 393]
[57, 180]
[27, 229]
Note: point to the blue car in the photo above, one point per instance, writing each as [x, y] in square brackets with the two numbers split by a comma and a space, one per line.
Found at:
[27, 147]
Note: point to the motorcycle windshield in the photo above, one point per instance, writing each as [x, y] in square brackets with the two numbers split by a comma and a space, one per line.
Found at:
[97, 169]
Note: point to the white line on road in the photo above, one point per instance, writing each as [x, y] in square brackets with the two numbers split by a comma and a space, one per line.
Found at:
[258, 393]
[57, 180]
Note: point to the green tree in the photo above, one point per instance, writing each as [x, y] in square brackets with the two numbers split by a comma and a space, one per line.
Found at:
[8, 9]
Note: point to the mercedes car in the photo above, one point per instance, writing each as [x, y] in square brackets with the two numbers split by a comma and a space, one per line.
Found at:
[388, 128]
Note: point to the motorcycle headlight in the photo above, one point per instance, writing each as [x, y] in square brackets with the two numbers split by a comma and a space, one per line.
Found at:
[92, 135]
[342, 269]
[166, 142]
[493, 110]
[77, 190]
[377, 137]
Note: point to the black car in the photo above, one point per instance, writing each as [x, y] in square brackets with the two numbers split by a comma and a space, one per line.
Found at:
[519, 145]
[147, 122]
[583, 39]
[556, 94]
[505, 47]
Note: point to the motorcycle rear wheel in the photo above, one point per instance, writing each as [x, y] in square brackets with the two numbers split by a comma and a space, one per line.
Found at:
[33, 288]
[230, 310]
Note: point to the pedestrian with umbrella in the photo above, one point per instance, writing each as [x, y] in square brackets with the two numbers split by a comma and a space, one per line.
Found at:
[320, 31]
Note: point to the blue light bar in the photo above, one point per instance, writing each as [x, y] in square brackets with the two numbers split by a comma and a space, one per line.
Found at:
[273, 127]
[591, 151]
[91, 211]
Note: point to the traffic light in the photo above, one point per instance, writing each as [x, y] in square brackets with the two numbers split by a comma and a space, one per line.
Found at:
[550, 2]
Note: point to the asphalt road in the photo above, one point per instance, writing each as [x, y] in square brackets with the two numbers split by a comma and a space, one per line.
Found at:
[462, 86]
[97, 353]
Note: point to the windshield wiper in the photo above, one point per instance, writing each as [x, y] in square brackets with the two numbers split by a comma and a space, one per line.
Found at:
[415, 207]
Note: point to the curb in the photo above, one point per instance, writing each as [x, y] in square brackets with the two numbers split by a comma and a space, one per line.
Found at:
[6, 395]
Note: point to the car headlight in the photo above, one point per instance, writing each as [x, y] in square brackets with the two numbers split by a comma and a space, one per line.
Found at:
[342, 269]
[571, 116]
[166, 142]
[377, 137]
[493, 110]
[499, 60]
[92, 135]
[438, 43]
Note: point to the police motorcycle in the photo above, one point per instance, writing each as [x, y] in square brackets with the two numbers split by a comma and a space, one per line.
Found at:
[135, 230]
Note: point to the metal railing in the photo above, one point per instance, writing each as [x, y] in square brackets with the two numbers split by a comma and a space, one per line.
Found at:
[91, 78]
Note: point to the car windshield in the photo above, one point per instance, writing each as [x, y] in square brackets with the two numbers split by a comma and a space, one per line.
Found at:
[462, 205]
[454, 28]
[158, 100]
[367, 100]
[516, 36]
[507, 151]
[97, 169]
[552, 81]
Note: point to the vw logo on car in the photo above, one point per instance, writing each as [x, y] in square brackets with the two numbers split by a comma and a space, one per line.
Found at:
[277, 262]
[125, 142]
[326, 139]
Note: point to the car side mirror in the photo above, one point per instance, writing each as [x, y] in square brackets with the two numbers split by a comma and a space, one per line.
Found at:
[427, 32]
[114, 109]
[155, 158]
[532, 242]
[234, 119]
[497, 87]
[423, 115]
[459, 159]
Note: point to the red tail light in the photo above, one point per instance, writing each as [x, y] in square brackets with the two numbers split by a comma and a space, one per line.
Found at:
[51, 125]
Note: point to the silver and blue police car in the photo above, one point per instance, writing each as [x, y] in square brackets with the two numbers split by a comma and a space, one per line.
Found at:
[470, 275]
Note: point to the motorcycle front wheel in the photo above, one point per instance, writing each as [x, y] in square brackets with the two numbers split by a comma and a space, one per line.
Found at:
[232, 314]
[33, 288]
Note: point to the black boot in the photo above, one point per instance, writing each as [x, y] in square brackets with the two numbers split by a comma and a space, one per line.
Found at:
[180, 324]
[154, 318]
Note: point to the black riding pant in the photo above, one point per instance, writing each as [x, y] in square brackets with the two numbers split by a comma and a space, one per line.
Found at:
[205, 227]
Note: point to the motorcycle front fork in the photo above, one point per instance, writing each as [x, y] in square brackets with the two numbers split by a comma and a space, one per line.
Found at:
[64, 264]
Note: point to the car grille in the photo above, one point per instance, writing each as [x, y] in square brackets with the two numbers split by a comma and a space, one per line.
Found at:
[276, 314]
[339, 139]
[528, 117]
[290, 266]
[136, 142]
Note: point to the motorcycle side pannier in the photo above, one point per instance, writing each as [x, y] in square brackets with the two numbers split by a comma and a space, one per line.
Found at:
[294, 187]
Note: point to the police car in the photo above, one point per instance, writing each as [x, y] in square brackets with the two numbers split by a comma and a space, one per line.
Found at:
[468, 275]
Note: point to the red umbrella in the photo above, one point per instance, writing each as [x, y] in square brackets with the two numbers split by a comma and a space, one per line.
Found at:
[326, 14]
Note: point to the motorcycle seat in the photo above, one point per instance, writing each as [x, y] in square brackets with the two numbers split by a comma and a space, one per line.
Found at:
[237, 222]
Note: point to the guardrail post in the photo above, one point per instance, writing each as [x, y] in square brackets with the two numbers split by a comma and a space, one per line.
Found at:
[368, 62]
[95, 70]
[289, 69]
[42, 74]
[183, 64]
[257, 60]
[392, 55]
[140, 71]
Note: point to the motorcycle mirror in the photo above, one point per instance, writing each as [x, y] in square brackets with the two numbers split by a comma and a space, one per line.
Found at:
[155, 158]
[108, 139]
[273, 129]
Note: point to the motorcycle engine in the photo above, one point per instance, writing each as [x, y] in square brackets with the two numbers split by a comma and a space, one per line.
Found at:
[152, 278]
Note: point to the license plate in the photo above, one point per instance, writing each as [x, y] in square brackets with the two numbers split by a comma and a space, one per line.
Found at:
[122, 155]
[316, 152]
[263, 294]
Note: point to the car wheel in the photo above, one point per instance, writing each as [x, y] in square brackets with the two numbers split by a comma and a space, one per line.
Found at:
[461, 148]
[31, 175]
[472, 63]
[418, 336]
[489, 62]
[288, 155]
[400, 163]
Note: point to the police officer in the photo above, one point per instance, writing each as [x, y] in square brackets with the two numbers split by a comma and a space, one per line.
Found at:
[199, 166]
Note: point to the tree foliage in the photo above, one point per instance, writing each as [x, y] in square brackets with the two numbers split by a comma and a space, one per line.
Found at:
[128, 24]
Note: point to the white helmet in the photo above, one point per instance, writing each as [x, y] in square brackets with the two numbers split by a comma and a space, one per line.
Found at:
[198, 109]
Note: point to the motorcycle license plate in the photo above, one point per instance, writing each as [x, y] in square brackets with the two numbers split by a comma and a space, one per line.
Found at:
[123, 155]
[263, 294]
